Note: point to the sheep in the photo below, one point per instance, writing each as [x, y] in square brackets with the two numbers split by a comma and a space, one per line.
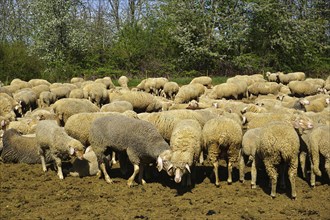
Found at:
[316, 81]
[271, 77]
[249, 145]
[41, 114]
[241, 86]
[77, 93]
[141, 101]
[27, 99]
[225, 90]
[155, 85]
[123, 82]
[18, 148]
[21, 84]
[9, 107]
[303, 88]
[287, 78]
[327, 84]
[66, 107]
[263, 88]
[317, 141]
[318, 104]
[25, 125]
[96, 93]
[38, 82]
[204, 80]
[222, 137]
[86, 167]
[185, 143]
[117, 106]
[189, 92]
[60, 90]
[53, 138]
[40, 88]
[46, 98]
[106, 81]
[140, 139]
[170, 90]
[75, 80]
[278, 143]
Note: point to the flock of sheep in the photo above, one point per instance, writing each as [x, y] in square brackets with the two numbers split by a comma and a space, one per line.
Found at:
[276, 121]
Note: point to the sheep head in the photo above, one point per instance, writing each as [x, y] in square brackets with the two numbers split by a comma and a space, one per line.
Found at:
[76, 148]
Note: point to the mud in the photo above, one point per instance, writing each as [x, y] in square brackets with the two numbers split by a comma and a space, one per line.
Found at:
[28, 193]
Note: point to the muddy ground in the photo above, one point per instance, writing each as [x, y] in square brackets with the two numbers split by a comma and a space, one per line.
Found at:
[28, 193]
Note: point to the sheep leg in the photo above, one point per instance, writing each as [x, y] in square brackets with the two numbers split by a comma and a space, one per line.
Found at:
[272, 173]
[43, 162]
[216, 173]
[313, 176]
[241, 166]
[282, 176]
[135, 172]
[105, 173]
[230, 170]
[292, 172]
[58, 163]
[302, 159]
[113, 158]
[253, 174]
[327, 166]
[141, 180]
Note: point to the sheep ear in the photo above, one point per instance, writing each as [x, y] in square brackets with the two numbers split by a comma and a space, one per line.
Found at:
[188, 168]
[170, 167]
[88, 149]
[159, 164]
[71, 151]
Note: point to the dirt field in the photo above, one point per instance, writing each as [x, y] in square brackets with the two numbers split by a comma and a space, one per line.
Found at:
[28, 193]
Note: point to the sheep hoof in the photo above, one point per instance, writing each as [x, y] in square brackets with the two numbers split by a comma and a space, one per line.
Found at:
[242, 181]
[108, 180]
[273, 196]
[218, 185]
[143, 182]
[294, 198]
[229, 183]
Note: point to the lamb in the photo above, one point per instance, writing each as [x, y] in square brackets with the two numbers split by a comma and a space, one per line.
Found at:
[189, 92]
[123, 82]
[303, 88]
[66, 107]
[86, 167]
[318, 143]
[140, 139]
[18, 148]
[222, 137]
[141, 101]
[46, 98]
[278, 143]
[186, 140]
[170, 90]
[53, 138]
[96, 93]
[204, 80]
[117, 106]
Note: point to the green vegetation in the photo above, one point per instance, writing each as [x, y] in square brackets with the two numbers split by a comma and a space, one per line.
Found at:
[57, 40]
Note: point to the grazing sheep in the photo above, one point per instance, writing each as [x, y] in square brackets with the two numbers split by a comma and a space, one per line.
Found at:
[66, 107]
[18, 148]
[222, 137]
[225, 90]
[327, 84]
[37, 82]
[88, 166]
[50, 137]
[39, 89]
[155, 85]
[60, 90]
[123, 82]
[77, 93]
[140, 139]
[20, 84]
[24, 125]
[303, 88]
[204, 80]
[27, 99]
[75, 80]
[318, 104]
[9, 107]
[106, 81]
[189, 92]
[117, 106]
[278, 143]
[185, 142]
[170, 90]
[141, 101]
[287, 78]
[46, 98]
[96, 93]
[264, 88]
[318, 143]
[271, 77]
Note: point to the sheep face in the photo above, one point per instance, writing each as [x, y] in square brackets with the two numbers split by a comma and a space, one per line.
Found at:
[302, 124]
[76, 149]
[178, 171]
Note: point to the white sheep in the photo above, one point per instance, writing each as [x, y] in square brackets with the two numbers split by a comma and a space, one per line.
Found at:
[141, 101]
[222, 137]
[123, 82]
[50, 137]
[204, 80]
[46, 98]
[77, 93]
[117, 106]
[170, 90]
[287, 78]
[66, 107]
[264, 88]
[303, 88]
[139, 139]
[185, 142]
[96, 93]
[225, 90]
[277, 144]
[106, 81]
[88, 166]
[318, 143]
[189, 92]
